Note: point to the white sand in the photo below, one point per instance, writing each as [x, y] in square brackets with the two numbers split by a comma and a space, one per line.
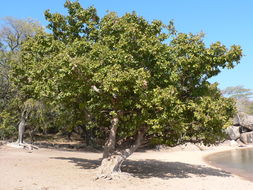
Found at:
[46, 169]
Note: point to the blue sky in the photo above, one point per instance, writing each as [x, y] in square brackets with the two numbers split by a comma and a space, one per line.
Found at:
[228, 21]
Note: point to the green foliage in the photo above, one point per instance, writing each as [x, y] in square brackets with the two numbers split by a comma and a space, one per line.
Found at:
[7, 131]
[9, 118]
[146, 74]
[12, 34]
[35, 112]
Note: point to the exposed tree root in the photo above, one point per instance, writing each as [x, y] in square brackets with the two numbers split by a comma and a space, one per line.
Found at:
[110, 167]
[26, 146]
[111, 164]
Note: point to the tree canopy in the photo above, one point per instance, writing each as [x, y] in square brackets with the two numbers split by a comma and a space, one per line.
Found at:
[128, 77]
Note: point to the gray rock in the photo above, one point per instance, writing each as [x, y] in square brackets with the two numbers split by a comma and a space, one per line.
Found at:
[236, 121]
[233, 132]
[245, 120]
[233, 143]
[244, 130]
[3, 143]
[247, 138]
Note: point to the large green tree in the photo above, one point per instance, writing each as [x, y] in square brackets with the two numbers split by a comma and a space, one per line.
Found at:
[136, 81]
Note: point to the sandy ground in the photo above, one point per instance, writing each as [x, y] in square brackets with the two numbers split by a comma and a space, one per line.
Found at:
[47, 169]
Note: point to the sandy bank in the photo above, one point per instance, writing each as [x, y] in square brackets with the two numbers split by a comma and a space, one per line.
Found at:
[46, 169]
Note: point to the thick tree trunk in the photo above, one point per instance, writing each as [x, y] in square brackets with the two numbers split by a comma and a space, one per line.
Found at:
[112, 164]
[21, 128]
[110, 144]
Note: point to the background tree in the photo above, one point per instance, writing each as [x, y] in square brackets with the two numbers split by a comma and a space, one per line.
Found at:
[242, 97]
[12, 100]
[134, 81]
[4, 77]
[15, 31]
[12, 34]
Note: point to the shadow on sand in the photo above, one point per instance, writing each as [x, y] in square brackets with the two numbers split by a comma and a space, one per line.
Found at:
[153, 168]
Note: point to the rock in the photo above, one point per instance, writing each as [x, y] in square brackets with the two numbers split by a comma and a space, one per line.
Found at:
[245, 120]
[236, 121]
[233, 143]
[185, 147]
[233, 132]
[244, 130]
[247, 137]
[3, 143]
[240, 143]
[190, 147]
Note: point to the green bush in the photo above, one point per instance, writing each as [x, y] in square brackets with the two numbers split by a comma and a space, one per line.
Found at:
[7, 126]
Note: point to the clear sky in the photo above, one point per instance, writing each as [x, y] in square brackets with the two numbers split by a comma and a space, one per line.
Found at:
[227, 21]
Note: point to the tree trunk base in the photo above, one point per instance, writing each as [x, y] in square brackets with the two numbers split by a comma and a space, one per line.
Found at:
[110, 167]
[111, 163]
[26, 146]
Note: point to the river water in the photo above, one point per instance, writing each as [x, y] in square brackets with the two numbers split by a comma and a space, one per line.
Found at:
[239, 162]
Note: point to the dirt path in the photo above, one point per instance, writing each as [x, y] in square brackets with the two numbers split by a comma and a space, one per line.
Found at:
[46, 169]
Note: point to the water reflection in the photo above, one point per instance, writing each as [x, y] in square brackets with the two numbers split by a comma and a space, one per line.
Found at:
[240, 160]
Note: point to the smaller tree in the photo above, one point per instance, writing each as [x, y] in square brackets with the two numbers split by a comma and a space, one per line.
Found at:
[32, 115]
[242, 97]
[13, 33]
[4, 78]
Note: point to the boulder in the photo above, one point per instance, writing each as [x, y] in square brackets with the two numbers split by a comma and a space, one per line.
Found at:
[244, 130]
[247, 138]
[233, 132]
[244, 120]
[236, 120]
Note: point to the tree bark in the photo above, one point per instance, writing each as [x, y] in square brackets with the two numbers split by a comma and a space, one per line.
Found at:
[21, 127]
[21, 130]
[110, 144]
[112, 164]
